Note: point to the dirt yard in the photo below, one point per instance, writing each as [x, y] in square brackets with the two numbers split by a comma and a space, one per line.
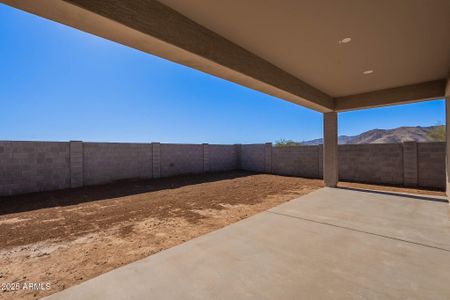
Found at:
[65, 237]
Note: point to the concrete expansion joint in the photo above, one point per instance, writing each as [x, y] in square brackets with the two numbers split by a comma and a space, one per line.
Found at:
[358, 230]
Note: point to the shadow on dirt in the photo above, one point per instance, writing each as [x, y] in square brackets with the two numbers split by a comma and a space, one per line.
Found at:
[66, 197]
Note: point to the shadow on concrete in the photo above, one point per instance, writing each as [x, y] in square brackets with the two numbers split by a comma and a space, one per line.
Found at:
[66, 197]
[411, 196]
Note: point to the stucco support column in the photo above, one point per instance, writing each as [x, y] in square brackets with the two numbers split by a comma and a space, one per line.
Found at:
[330, 149]
[447, 139]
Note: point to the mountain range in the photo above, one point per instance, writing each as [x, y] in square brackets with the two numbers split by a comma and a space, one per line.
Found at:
[377, 136]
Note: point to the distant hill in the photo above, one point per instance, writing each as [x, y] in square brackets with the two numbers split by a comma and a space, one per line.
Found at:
[379, 136]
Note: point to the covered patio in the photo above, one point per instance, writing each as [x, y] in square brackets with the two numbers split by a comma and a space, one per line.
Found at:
[329, 244]
[330, 56]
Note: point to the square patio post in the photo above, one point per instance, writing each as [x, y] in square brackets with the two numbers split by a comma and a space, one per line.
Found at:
[447, 139]
[330, 149]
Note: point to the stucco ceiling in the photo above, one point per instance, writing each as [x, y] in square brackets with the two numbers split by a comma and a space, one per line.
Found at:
[403, 41]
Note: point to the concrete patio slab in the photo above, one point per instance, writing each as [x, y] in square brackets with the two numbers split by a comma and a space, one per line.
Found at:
[415, 218]
[330, 244]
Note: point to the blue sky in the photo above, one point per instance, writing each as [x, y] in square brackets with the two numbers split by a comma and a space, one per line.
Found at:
[57, 84]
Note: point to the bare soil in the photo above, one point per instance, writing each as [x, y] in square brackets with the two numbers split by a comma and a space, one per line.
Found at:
[65, 237]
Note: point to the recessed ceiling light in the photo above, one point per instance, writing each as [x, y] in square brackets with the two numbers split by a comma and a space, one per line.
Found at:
[367, 72]
[345, 40]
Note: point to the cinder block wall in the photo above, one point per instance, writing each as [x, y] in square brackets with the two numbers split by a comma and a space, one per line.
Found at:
[40, 166]
[431, 165]
[107, 162]
[409, 164]
[177, 159]
[33, 166]
[302, 161]
[376, 163]
[223, 158]
[253, 157]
